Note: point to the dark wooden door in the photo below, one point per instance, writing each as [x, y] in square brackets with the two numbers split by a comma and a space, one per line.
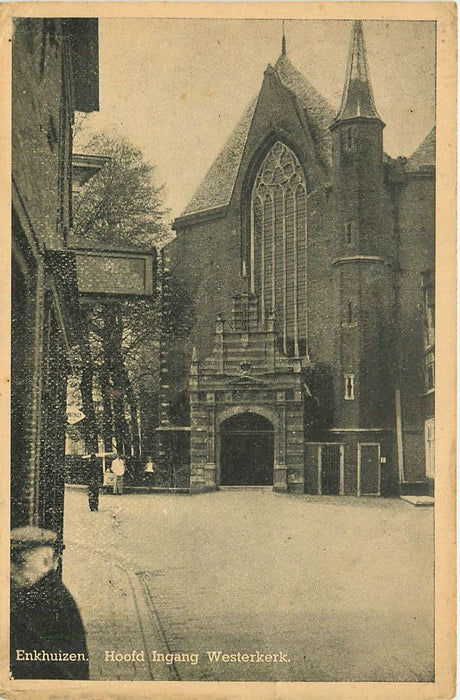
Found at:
[247, 448]
[330, 470]
[368, 469]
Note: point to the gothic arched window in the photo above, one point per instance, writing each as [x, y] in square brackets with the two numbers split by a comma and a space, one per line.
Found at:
[278, 250]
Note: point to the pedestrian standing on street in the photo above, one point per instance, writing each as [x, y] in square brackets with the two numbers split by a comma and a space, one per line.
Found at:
[93, 480]
[118, 468]
[47, 637]
[149, 472]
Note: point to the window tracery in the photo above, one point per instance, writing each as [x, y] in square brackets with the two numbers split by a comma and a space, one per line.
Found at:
[278, 251]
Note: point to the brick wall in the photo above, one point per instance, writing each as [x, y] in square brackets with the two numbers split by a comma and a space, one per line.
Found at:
[41, 143]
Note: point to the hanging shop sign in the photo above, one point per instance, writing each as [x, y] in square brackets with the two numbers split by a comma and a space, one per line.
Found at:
[120, 274]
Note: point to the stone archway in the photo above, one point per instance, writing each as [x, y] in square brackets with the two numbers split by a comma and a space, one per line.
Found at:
[247, 446]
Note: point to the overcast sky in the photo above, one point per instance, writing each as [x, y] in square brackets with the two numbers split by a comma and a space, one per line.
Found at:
[176, 88]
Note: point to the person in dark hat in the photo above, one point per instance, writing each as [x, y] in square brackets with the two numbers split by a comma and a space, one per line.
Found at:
[94, 473]
[47, 636]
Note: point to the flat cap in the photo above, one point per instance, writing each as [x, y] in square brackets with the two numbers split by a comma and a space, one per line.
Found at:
[31, 536]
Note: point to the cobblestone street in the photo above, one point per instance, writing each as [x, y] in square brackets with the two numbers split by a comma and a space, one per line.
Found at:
[336, 588]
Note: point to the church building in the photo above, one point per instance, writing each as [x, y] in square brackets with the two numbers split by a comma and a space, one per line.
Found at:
[295, 348]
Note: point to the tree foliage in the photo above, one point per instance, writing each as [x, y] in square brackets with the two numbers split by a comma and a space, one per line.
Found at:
[121, 204]
[121, 207]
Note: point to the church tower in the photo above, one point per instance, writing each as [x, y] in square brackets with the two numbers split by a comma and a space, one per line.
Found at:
[357, 157]
[362, 272]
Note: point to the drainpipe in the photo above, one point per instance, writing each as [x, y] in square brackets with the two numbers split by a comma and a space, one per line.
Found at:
[399, 435]
[397, 378]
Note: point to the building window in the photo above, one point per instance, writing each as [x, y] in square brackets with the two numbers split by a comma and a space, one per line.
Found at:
[428, 307]
[49, 43]
[430, 376]
[349, 394]
[27, 28]
[278, 245]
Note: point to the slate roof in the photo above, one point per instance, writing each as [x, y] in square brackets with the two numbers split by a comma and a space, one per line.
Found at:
[358, 98]
[425, 155]
[217, 186]
[318, 112]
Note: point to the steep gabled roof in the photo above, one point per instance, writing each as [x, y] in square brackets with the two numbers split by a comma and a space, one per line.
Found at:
[217, 186]
[425, 155]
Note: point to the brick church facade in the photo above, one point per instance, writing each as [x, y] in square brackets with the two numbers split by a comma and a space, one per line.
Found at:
[296, 348]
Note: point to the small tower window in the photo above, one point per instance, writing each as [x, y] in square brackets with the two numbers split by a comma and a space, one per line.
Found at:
[348, 317]
[349, 387]
[349, 313]
[349, 232]
[349, 139]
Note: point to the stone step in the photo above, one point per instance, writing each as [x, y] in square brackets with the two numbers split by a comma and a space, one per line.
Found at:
[419, 500]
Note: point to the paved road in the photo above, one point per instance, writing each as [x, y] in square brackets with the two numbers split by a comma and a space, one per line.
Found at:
[334, 588]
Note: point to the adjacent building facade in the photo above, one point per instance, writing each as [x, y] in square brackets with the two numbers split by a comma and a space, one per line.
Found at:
[294, 333]
[55, 72]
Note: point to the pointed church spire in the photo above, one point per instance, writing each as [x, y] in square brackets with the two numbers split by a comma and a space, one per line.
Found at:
[283, 42]
[357, 99]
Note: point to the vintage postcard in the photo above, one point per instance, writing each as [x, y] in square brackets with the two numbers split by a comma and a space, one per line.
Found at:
[228, 411]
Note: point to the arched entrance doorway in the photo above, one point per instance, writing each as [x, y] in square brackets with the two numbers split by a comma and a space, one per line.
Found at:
[246, 451]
